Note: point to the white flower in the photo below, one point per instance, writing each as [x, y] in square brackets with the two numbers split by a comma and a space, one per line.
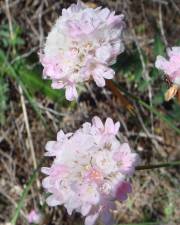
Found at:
[86, 174]
[82, 45]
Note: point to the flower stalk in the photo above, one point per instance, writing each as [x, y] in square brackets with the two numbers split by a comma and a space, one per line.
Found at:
[160, 165]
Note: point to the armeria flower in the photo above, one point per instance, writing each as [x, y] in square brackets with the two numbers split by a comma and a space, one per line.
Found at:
[34, 217]
[171, 68]
[81, 46]
[90, 170]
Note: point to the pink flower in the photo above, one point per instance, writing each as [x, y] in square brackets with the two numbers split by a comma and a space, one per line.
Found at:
[89, 170]
[122, 190]
[81, 46]
[34, 217]
[170, 67]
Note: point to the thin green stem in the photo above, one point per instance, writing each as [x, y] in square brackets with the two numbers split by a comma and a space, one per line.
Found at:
[167, 164]
[143, 223]
[24, 194]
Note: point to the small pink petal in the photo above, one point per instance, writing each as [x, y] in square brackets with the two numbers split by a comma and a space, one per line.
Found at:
[104, 13]
[34, 217]
[160, 63]
[91, 219]
[85, 209]
[122, 190]
[57, 85]
[104, 53]
[97, 122]
[116, 127]
[98, 78]
[108, 73]
[71, 93]
[53, 200]
[109, 126]
[50, 145]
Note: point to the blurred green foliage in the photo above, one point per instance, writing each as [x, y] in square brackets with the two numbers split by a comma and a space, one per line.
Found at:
[5, 38]
[14, 66]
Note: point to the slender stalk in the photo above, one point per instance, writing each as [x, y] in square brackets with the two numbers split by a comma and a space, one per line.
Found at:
[167, 164]
[143, 223]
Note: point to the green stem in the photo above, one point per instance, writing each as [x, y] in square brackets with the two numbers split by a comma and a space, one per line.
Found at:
[143, 223]
[24, 194]
[168, 164]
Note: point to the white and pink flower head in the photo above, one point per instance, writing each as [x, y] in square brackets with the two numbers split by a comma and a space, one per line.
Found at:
[171, 68]
[81, 46]
[90, 170]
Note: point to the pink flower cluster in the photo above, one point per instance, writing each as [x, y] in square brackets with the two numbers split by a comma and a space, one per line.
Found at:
[90, 170]
[171, 67]
[34, 217]
[81, 46]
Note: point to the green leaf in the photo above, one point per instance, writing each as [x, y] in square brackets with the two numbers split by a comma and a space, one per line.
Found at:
[6, 68]
[32, 79]
[159, 47]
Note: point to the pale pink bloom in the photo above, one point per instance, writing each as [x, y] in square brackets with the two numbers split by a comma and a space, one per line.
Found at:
[85, 175]
[82, 45]
[171, 67]
[34, 217]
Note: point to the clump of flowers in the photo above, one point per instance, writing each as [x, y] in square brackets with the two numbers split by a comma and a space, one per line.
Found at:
[171, 68]
[81, 46]
[90, 170]
[34, 217]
